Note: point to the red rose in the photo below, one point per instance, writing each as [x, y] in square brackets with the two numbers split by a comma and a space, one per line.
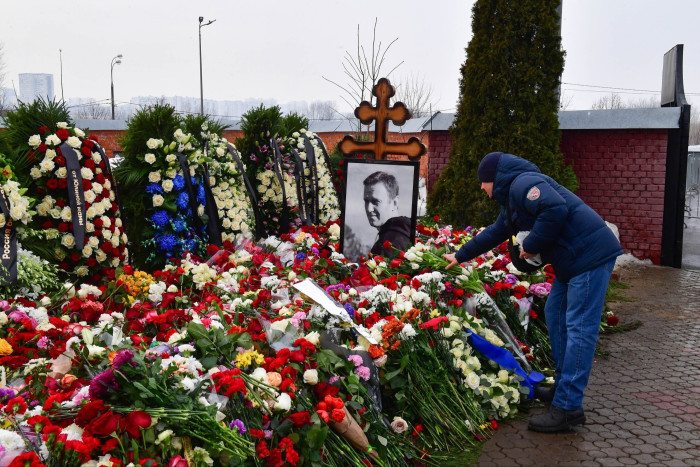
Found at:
[61, 203]
[85, 151]
[42, 147]
[106, 247]
[90, 411]
[612, 320]
[44, 130]
[75, 257]
[60, 160]
[386, 245]
[63, 134]
[62, 227]
[52, 183]
[91, 262]
[135, 421]
[89, 144]
[47, 225]
[98, 225]
[87, 185]
[105, 424]
[62, 183]
[94, 138]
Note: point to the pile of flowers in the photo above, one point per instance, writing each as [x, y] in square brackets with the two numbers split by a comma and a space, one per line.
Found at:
[105, 241]
[225, 361]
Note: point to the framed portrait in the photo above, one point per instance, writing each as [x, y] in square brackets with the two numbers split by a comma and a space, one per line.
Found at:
[378, 203]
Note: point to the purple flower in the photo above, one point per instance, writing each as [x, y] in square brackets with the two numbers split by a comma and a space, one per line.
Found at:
[6, 394]
[541, 290]
[238, 425]
[314, 250]
[511, 279]
[124, 357]
[101, 383]
[349, 309]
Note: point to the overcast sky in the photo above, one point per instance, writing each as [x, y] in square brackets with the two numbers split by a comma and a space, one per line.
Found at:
[281, 49]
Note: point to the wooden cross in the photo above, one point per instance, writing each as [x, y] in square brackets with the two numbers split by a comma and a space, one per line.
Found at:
[398, 114]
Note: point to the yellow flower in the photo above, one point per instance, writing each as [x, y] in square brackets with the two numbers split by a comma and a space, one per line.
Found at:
[5, 347]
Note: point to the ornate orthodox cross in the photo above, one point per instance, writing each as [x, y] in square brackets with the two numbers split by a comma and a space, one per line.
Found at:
[398, 114]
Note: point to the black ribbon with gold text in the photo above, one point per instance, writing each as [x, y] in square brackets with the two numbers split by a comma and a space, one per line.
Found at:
[277, 163]
[210, 208]
[259, 228]
[301, 188]
[313, 179]
[76, 194]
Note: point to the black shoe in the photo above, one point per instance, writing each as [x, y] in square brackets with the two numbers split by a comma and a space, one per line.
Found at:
[545, 393]
[556, 419]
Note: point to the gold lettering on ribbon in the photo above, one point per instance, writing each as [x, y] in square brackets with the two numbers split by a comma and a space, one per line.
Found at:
[78, 203]
[6, 241]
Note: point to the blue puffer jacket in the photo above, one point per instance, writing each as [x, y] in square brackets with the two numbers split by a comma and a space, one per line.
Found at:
[566, 232]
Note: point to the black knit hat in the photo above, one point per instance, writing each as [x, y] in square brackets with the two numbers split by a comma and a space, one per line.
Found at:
[487, 168]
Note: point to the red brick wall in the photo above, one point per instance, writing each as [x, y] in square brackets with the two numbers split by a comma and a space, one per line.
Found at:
[622, 176]
[439, 143]
[108, 139]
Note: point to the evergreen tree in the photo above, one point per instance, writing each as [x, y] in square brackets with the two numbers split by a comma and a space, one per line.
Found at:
[508, 102]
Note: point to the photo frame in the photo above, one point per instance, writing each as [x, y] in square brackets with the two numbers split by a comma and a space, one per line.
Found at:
[378, 204]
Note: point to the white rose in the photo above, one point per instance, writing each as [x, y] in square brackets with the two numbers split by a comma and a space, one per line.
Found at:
[47, 165]
[167, 186]
[86, 173]
[35, 173]
[153, 143]
[66, 214]
[78, 132]
[62, 125]
[311, 377]
[283, 403]
[34, 141]
[399, 425]
[158, 200]
[170, 158]
[82, 271]
[472, 380]
[68, 240]
[74, 142]
[154, 177]
[150, 158]
[87, 251]
[100, 256]
[53, 140]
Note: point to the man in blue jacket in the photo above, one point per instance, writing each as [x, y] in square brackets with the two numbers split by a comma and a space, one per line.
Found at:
[570, 236]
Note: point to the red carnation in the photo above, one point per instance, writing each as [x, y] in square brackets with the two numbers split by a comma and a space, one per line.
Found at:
[87, 185]
[612, 320]
[52, 183]
[62, 227]
[106, 247]
[28, 459]
[85, 151]
[63, 134]
[43, 130]
[42, 147]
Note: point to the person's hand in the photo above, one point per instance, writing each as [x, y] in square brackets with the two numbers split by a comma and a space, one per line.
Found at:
[450, 258]
[525, 254]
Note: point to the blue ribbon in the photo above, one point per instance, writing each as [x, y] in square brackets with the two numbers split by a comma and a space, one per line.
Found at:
[506, 359]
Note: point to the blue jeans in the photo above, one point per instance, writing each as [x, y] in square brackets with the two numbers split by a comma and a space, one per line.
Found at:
[573, 312]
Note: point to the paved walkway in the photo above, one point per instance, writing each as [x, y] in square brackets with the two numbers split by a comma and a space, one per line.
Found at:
[643, 398]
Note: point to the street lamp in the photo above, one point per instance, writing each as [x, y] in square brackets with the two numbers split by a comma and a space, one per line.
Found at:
[201, 83]
[115, 61]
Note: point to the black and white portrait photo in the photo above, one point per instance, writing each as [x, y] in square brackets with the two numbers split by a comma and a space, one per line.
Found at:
[379, 208]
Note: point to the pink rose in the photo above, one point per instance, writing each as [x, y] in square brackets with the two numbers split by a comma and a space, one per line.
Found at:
[177, 461]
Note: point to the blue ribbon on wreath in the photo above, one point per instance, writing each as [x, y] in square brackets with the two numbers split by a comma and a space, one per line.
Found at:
[506, 359]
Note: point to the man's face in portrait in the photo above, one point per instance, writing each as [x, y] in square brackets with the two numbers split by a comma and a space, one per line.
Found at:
[379, 205]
